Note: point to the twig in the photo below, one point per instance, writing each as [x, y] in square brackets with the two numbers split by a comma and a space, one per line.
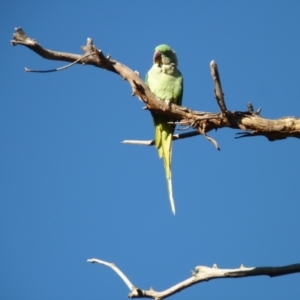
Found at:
[61, 68]
[219, 95]
[116, 269]
[209, 138]
[138, 142]
[151, 142]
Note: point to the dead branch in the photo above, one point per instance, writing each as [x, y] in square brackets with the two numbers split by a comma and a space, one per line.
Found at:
[249, 121]
[202, 274]
[219, 95]
[61, 68]
[151, 142]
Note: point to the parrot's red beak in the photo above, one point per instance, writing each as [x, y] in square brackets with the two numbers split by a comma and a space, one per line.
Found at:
[157, 57]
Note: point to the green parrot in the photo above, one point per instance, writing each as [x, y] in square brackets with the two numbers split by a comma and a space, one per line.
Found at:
[166, 82]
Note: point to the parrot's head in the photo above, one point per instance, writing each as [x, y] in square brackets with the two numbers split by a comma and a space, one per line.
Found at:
[164, 55]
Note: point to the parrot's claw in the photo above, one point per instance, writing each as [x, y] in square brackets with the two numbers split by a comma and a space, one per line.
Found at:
[168, 103]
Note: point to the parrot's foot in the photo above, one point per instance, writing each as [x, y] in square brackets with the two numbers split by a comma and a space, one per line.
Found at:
[168, 103]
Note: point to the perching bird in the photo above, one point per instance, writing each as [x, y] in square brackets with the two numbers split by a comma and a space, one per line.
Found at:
[166, 82]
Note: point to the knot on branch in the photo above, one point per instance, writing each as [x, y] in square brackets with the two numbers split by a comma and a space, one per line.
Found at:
[139, 90]
[135, 293]
[99, 58]
[20, 37]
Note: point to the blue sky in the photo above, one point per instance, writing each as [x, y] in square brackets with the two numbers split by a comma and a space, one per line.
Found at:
[71, 191]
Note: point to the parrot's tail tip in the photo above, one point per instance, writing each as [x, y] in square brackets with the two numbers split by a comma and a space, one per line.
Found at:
[173, 206]
[171, 196]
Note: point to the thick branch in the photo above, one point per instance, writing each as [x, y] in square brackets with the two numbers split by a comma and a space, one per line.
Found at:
[248, 121]
[202, 274]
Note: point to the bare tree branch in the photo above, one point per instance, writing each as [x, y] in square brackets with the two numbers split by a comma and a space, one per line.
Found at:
[116, 269]
[151, 142]
[249, 121]
[202, 273]
[219, 95]
[61, 68]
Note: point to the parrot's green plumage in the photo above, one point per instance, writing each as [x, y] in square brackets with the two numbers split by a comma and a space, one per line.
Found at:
[166, 82]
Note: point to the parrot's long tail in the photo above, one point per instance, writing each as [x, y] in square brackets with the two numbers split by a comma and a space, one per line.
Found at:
[163, 143]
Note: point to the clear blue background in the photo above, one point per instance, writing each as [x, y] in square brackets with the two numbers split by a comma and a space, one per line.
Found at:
[71, 191]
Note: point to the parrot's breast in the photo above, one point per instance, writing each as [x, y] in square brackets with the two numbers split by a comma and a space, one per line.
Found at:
[164, 85]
